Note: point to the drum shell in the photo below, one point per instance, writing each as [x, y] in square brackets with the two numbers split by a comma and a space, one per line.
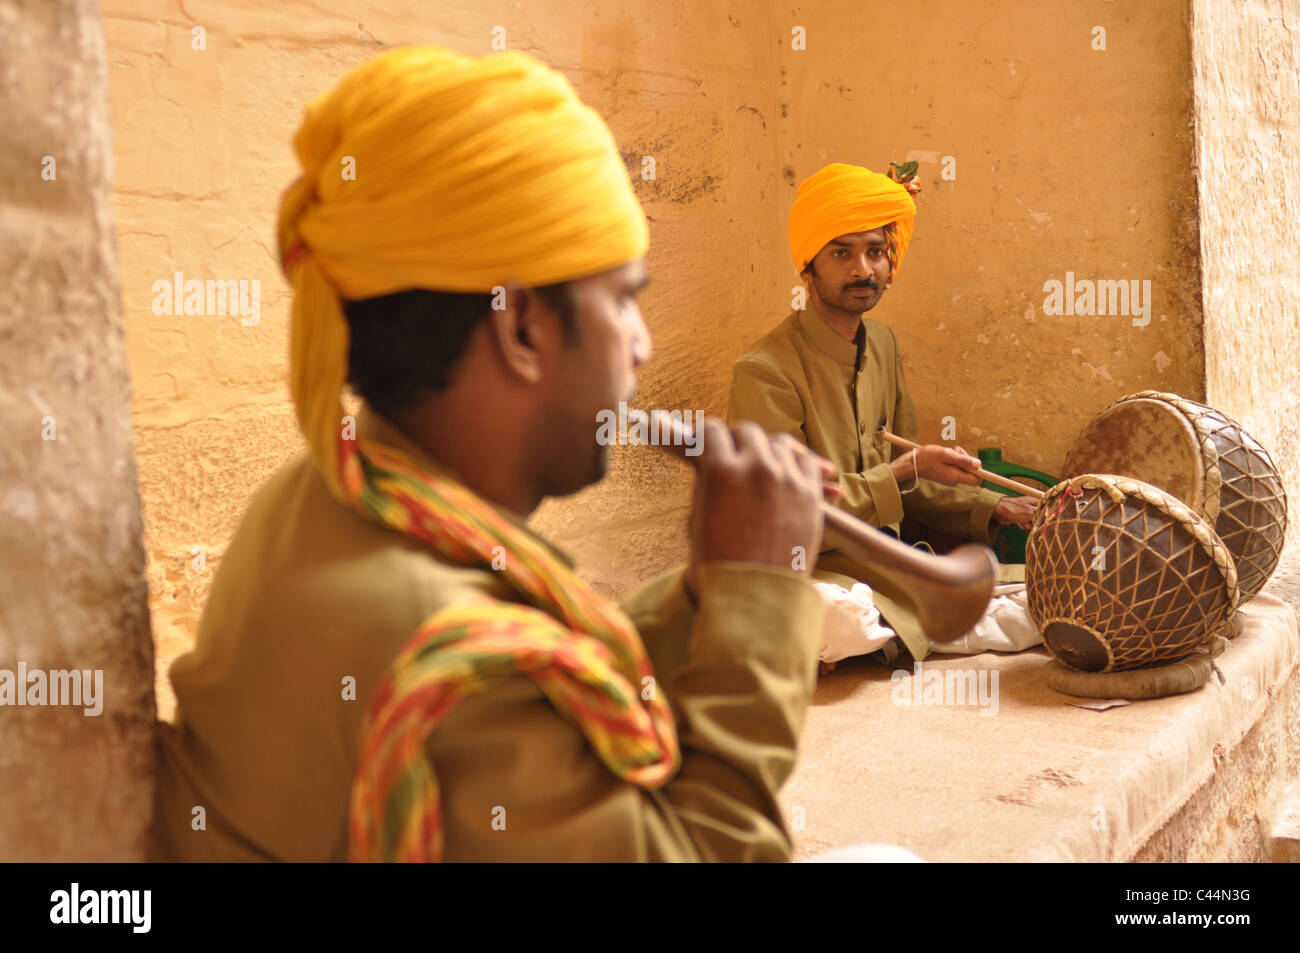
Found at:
[1121, 575]
[1204, 458]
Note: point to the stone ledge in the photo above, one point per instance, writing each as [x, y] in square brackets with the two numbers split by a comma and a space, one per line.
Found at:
[1191, 777]
[1284, 832]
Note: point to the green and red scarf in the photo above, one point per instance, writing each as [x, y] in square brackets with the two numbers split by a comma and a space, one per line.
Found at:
[578, 647]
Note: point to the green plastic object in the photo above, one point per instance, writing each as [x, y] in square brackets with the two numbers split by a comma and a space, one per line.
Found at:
[1009, 541]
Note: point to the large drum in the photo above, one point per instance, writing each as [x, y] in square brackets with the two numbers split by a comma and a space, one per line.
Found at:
[1204, 459]
[1121, 575]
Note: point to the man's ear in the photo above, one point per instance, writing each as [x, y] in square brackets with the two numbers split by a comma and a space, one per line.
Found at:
[515, 323]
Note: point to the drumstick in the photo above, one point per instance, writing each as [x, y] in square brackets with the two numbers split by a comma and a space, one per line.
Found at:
[1024, 488]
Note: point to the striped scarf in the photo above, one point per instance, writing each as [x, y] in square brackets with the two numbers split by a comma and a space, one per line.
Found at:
[579, 649]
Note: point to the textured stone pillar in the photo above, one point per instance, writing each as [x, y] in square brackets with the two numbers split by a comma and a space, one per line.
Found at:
[1246, 69]
[1246, 77]
[72, 594]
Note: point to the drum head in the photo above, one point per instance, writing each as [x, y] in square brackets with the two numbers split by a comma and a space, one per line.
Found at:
[1203, 458]
[1146, 439]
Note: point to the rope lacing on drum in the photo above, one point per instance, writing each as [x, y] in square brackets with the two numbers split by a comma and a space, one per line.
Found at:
[1067, 493]
[1120, 488]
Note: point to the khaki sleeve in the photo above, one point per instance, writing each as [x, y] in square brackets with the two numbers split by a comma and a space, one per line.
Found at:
[763, 394]
[957, 510]
[663, 614]
[520, 782]
[965, 511]
[873, 496]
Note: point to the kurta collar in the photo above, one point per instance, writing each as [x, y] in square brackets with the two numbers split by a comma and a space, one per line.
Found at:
[825, 339]
[374, 426]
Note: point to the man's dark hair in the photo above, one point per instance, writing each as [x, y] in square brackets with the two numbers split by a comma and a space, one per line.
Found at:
[891, 250]
[408, 343]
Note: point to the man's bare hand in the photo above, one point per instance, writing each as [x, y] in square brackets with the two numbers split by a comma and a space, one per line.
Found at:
[947, 465]
[757, 499]
[1015, 510]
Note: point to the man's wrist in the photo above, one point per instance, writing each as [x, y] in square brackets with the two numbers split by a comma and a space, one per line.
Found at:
[905, 471]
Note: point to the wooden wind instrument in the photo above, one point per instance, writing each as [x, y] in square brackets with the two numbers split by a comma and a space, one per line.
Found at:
[949, 593]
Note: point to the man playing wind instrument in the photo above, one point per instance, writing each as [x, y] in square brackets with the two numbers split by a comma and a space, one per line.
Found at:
[391, 665]
[833, 379]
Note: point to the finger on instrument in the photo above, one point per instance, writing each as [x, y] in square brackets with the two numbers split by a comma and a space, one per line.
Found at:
[804, 452]
[715, 435]
[753, 441]
[960, 458]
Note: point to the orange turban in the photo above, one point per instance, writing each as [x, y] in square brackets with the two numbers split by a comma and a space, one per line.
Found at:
[845, 198]
[424, 168]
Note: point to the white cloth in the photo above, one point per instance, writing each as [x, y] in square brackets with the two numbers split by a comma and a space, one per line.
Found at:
[1004, 627]
[854, 625]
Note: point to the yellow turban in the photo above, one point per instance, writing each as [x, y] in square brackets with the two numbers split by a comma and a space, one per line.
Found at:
[845, 198]
[427, 169]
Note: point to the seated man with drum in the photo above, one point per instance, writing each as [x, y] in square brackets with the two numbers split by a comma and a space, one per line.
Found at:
[834, 380]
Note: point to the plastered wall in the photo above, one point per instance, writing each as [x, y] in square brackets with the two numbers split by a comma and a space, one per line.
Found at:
[76, 771]
[1247, 74]
[204, 150]
[1067, 157]
[1065, 129]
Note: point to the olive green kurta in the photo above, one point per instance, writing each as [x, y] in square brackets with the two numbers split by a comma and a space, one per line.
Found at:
[310, 595]
[799, 379]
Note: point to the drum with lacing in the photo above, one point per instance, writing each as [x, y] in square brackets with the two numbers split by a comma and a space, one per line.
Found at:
[1203, 458]
[1121, 575]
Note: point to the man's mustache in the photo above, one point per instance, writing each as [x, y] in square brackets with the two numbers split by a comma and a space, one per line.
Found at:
[866, 284]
